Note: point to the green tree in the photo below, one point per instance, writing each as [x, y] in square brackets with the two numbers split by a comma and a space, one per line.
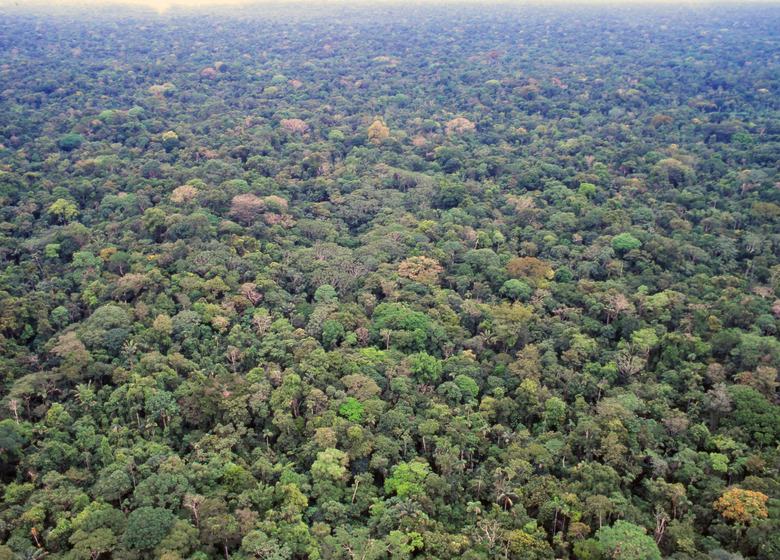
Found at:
[754, 414]
[97, 533]
[154, 222]
[587, 190]
[332, 333]
[164, 490]
[170, 140]
[353, 410]
[624, 242]
[408, 479]
[218, 526]
[509, 322]
[528, 543]
[70, 142]
[425, 368]
[258, 544]
[554, 412]
[626, 541]
[13, 437]
[63, 210]
[516, 289]
[326, 294]
[147, 526]
[330, 464]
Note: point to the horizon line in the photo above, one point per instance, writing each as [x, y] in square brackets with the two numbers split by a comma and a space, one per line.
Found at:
[162, 6]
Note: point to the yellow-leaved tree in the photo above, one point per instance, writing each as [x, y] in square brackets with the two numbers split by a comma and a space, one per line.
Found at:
[742, 507]
[421, 269]
[378, 132]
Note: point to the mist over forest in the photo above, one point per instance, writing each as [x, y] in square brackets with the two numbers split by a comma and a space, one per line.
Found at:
[293, 281]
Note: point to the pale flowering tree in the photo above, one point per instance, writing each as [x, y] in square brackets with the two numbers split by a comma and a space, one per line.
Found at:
[459, 125]
[294, 125]
[183, 194]
[246, 207]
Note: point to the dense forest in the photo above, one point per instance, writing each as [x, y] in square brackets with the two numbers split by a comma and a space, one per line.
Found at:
[348, 282]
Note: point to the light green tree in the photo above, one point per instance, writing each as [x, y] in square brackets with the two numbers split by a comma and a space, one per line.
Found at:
[63, 210]
[626, 541]
[330, 464]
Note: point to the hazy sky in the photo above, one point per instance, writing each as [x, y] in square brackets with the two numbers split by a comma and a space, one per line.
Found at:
[159, 5]
[162, 5]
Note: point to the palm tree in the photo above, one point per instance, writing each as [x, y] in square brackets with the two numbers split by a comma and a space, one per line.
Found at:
[31, 554]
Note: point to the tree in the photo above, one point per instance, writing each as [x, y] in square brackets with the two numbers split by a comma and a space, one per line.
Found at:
[765, 210]
[259, 545]
[537, 272]
[530, 543]
[378, 132]
[407, 328]
[587, 190]
[106, 328]
[164, 490]
[113, 484]
[352, 410]
[154, 222]
[330, 464]
[246, 207]
[753, 413]
[509, 322]
[184, 194]
[13, 437]
[408, 479]
[625, 242]
[219, 526]
[63, 210]
[97, 533]
[554, 412]
[147, 526]
[170, 140]
[354, 544]
[421, 269]
[180, 542]
[326, 294]
[294, 125]
[332, 333]
[70, 142]
[742, 506]
[601, 506]
[626, 541]
[425, 368]
[516, 289]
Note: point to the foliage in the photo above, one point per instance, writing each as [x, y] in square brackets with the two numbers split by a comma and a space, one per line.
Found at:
[626, 541]
[147, 526]
[742, 506]
[414, 282]
[625, 242]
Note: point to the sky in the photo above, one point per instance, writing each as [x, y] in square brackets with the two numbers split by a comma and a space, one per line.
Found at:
[164, 5]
